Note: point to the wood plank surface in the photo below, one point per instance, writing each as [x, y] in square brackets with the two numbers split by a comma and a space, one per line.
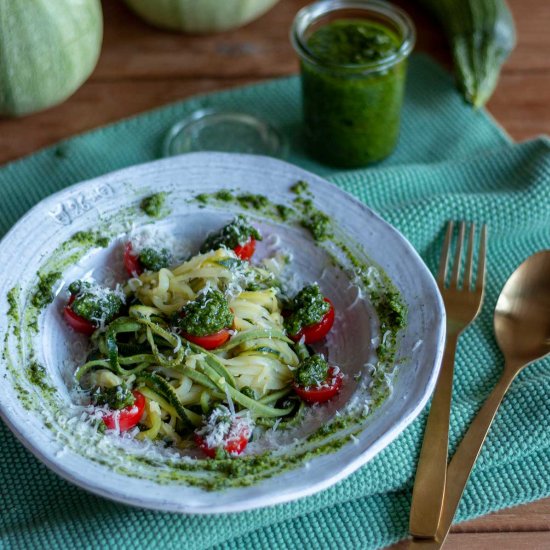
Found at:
[141, 68]
[524, 527]
[497, 541]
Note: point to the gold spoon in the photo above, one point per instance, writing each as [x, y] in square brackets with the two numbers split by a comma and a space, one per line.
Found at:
[522, 329]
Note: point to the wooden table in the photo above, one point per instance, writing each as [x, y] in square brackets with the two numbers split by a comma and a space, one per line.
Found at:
[141, 68]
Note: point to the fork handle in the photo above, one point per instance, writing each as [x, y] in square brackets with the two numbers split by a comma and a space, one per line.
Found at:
[467, 452]
[429, 484]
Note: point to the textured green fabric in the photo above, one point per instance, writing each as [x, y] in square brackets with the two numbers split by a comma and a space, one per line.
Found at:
[451, 163]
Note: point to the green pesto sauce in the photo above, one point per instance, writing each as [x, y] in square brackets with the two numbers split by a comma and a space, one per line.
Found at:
[44, 289]
[300, 188]
[24, 396]
[310, 218]
[352, 42]
[154, 260]
[392, 317]
[224, 195]
[93, 306]
[89, 239]
[153, 205]
[312, 372]
[313, 219]
[392, 312]
[115, 398]
[234, 234]
[307, 308]
[13, 309]
[250, 200]
[36, 373]
[29, 321]
[207, 314]
[351, 114]
[284, 212]
[319, 225]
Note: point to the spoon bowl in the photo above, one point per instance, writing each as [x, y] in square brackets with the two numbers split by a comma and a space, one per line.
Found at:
[522, 314]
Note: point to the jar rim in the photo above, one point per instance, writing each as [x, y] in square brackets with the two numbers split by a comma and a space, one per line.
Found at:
[310, 14]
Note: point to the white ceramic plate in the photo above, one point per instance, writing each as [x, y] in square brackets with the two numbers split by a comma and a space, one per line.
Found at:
[46, 422]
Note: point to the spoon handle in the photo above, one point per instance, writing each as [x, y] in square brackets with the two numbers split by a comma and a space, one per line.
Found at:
[467, 452]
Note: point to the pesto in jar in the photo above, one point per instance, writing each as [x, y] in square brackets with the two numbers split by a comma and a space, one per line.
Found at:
[351, 98]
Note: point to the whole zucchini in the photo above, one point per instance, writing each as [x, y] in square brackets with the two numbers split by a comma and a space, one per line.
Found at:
[47, 50]
[482, 35]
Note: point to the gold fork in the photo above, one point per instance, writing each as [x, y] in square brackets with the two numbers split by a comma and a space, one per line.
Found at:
[462, 304]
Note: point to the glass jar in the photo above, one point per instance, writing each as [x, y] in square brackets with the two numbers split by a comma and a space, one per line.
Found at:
[353, 58]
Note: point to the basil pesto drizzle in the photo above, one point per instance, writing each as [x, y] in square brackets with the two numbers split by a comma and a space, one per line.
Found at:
[154, 205]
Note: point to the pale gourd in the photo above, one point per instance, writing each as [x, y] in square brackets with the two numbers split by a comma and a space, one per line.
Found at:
[48, 48]
[200, 16]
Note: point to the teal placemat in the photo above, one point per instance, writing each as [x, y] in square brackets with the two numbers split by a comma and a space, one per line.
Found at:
[451, 163]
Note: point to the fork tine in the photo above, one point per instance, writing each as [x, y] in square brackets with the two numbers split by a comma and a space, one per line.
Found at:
[469, 259]
[458, 255]
[444, 260]
[480, 282]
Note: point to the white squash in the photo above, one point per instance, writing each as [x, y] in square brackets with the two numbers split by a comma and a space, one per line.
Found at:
[48, 48]
[200, 16]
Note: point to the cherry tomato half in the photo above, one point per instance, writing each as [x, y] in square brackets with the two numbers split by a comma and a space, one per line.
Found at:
[245, 251]
[210, 341]
[76, 322]
[316, 332]
[323, 393]
[131, 261]
[128, 417]
[234, 444]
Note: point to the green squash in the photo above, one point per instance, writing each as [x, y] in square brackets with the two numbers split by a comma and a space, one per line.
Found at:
[48, 48]
[200, 16]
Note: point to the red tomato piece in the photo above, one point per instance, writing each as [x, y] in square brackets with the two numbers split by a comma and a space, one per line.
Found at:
[323, 393]
[76, 322]
[210, 341]
[246, 250]
[234, 444]
[316, 332]
[131, 261]
[128, 417]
